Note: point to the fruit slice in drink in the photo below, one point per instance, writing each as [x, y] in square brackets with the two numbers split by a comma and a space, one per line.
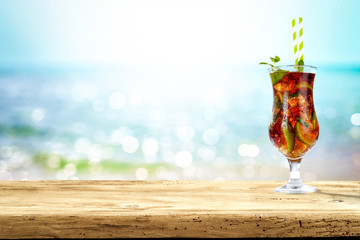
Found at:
[305, 133]
[304, 85]
[289, 135]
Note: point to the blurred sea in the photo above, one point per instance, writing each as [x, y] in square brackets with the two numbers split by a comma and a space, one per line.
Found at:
[167, 123]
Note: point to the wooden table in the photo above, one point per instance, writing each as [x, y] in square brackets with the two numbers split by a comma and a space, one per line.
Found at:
[117, 209]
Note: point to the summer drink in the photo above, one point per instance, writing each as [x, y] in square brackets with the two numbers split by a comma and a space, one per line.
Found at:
[294, 128]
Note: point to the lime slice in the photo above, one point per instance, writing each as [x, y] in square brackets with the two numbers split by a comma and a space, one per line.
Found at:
[289, 135]
[313, 119]
[277, 102]
[304, 133]
[296, 94]
[275, 115]
[302, 122]
[304, 85]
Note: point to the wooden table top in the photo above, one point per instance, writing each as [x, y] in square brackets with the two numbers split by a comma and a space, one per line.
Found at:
[125, 209]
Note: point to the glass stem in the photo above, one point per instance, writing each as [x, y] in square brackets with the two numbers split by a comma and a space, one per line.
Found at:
[295, 178]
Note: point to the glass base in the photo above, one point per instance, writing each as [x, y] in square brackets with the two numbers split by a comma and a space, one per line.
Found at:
[295, 188]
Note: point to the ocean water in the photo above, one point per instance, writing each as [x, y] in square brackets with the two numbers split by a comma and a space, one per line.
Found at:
[167, 123]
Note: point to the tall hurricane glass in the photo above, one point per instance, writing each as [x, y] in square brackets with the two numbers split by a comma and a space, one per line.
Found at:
[293, 128]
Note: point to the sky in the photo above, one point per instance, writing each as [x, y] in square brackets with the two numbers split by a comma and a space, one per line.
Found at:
[137, 32]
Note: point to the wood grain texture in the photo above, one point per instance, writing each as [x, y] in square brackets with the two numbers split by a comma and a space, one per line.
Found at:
[125, 209]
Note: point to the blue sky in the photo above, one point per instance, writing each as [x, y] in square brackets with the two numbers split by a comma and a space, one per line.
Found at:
[40, 32]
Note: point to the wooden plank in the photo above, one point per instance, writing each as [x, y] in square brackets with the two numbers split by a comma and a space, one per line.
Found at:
[123, 209]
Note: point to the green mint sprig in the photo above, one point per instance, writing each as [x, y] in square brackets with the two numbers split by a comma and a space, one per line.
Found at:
[277, 73]
[300, 63]
[274, 60]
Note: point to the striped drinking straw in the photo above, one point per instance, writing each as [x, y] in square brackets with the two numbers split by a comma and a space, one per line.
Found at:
[295, 42]
[301, 45]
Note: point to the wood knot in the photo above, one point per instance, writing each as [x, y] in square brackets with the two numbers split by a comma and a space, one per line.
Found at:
[335, 200]
[132, 206]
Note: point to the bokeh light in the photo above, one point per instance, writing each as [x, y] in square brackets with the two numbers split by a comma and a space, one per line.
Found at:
[150, 146]
[185, 133]
[117, 100]
[141, 173]
[183, 159]
[250, 150]
[38, 115]
[211, 136]
[355, 119]
[130, 144]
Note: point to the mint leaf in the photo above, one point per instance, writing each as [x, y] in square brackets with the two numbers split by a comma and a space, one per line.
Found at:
[277, 102]
[296, 94]
[264, 63]
[277, 76]
[300, 63]
[302, 122]
[274, 60]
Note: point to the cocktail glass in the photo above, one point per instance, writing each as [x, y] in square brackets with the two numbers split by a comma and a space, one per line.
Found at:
[294, 128]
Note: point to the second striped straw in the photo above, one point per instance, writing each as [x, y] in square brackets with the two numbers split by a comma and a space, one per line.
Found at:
[295, 42]
[298, 52]
[301, 42]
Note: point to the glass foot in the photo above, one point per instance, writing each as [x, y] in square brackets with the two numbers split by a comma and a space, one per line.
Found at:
[295, 188]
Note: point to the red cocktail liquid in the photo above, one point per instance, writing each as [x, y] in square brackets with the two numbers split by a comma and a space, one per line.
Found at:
[294, 128]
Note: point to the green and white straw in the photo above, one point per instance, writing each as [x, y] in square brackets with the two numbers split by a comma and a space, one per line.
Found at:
[298, 53]
[295, 42]
[301, 42]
